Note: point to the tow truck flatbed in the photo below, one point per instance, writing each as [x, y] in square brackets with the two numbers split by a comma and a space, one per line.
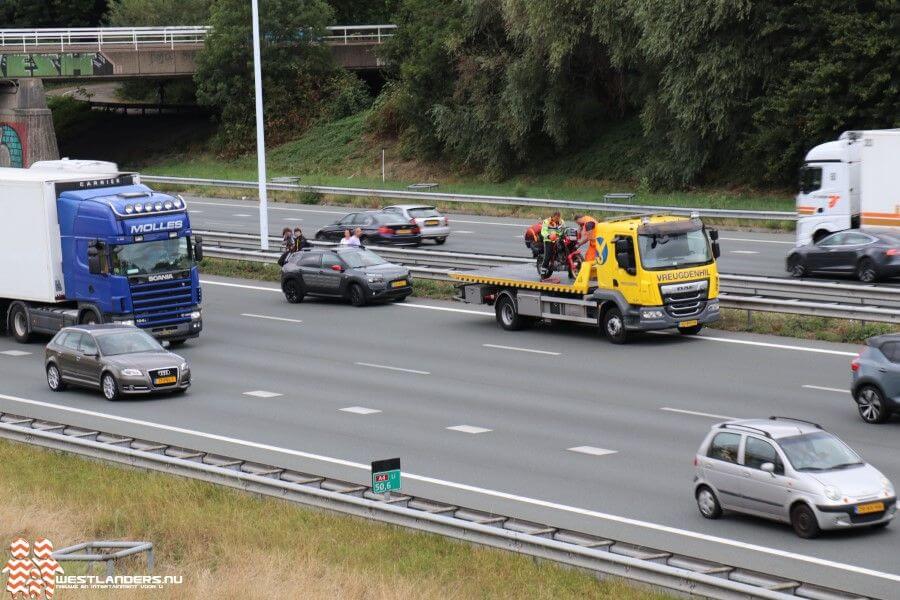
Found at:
[525, 277]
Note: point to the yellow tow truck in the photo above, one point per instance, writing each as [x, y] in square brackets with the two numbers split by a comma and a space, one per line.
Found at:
[652, 272]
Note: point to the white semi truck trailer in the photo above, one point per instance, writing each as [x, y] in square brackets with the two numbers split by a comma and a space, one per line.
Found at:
[849, 183]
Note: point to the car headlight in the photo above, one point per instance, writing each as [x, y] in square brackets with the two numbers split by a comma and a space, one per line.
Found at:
[832, 493]
[184, 366]
[375, 278]
[887, 486]
[131, 372]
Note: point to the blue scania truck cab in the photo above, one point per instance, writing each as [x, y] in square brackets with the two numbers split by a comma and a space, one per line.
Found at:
[95, 245]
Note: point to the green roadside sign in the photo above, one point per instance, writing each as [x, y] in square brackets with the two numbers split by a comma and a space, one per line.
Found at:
[386, 476]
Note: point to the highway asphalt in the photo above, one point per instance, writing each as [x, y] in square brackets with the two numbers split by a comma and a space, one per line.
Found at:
[743, 252]
[519, 402]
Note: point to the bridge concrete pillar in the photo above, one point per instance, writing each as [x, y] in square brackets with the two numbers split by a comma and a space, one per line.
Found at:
[26, 125]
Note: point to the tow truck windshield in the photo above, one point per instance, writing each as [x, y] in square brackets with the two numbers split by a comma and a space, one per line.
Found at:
[664, 251]
[146, 258]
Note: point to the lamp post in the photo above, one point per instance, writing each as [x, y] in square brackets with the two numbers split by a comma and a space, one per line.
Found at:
[260, 134]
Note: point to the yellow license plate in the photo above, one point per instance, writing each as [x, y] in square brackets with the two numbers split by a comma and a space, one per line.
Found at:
[165, 380]
[432, 222]
[401, 231]
[398, 283]
[871, 507]
[688, 323]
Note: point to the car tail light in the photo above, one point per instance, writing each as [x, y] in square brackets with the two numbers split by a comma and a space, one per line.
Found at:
[696, 462]
[385, 230]
[892, 251]
[854, 364]
[415, 229]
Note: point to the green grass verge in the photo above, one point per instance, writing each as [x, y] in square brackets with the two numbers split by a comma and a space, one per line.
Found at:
[794, 326]
[228, 544]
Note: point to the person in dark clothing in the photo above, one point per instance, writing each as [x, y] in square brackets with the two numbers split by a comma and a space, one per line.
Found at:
[300, 242]
[287, 245]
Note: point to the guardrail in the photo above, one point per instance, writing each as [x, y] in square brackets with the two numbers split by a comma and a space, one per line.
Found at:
[136, 37]
[685, 574]
[765, 294]
[432, 197]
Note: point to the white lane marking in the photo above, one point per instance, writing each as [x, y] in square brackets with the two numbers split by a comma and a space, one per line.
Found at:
[696, 414]
[15, 353]
[470, 488]
[520, 349]
[462, 231]
[271, 318]
[195, 212]
[469, 429]
[262, 394]
[756, 241]
[293, 219]
[360, 410]
[388, 368]
[743, 251]
[825, 389]
[490, 223]
[592, 450]
[240, 215]
[490, 314]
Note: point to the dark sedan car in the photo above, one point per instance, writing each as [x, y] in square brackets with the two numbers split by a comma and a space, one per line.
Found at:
[377, 228]
[119, 360]
[357, 274]
[868, 255]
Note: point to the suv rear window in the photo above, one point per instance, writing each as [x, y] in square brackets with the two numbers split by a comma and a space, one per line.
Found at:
[422, 213]
[725, 447]
[310, 259]
[891, 351]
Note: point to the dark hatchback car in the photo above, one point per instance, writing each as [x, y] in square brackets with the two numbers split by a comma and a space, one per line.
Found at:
[356, 274]
[868, 255]
[119, 360]
[876, 378]
[377, 228]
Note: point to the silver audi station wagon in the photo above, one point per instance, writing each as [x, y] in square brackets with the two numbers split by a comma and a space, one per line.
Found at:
[792, 471]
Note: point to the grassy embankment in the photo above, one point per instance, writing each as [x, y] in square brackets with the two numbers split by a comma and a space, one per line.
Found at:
[228, 544]
[808, 328]
[342, 154]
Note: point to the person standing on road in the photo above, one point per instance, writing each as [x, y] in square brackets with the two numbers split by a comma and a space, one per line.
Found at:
[300, 242]
[551, 229]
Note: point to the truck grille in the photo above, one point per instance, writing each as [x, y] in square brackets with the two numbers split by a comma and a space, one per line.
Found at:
[161, 303]
[682, 300]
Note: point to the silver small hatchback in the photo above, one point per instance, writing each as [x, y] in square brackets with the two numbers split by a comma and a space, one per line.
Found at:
[791, 471]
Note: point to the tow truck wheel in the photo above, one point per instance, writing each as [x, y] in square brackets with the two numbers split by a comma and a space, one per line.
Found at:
[614, 325]
[18, 324]
[507, 315]
[692, 330]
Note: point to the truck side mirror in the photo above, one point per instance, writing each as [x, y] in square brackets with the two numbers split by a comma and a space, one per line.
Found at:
[95, 265]
[716, 250]
[713, 234]
[198, 249]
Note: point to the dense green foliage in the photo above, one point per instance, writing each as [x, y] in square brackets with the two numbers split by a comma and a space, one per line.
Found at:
[725, 89]
[300, 81]
[51, 13]
[145, 13]
[363, 12]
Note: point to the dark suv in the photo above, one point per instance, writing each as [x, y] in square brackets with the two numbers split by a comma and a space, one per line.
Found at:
[356, 274]
[876, 378]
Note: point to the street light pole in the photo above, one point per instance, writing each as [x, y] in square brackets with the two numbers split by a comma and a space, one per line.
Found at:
[260, 134]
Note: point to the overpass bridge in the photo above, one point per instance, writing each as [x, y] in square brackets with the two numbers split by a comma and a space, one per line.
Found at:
[126, 52]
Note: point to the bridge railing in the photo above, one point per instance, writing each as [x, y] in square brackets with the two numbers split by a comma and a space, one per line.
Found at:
[101, 36]
[137, 37]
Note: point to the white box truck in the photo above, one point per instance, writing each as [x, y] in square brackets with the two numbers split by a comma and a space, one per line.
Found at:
[82, 242]
[848, 183]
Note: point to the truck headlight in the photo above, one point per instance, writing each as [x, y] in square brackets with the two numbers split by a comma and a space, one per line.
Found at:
[651, 314]
[129, 322]
[131, 372]
[195, 315]
[713, 305]
[375, 278]
[832, 493]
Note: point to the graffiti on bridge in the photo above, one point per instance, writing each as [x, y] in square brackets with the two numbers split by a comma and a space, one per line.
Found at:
[64, 64]
[12, 148]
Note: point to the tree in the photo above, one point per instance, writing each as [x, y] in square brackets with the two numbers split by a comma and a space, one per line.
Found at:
[147, 13]
[52, 13]
[298, 74]
[359, 12]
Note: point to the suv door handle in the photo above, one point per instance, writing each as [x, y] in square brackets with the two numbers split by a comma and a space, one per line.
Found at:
[882, 370]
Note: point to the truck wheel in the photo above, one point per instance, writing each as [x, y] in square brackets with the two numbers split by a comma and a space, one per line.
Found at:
[18, 324]
[88, 317]
[692, 330]
[614, 325]
[507, 315]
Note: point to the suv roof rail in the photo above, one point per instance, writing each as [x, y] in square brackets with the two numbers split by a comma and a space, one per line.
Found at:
[776, 418]
[750, 427]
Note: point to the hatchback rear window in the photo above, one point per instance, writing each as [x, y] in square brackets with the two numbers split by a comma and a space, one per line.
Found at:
[424, 213]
